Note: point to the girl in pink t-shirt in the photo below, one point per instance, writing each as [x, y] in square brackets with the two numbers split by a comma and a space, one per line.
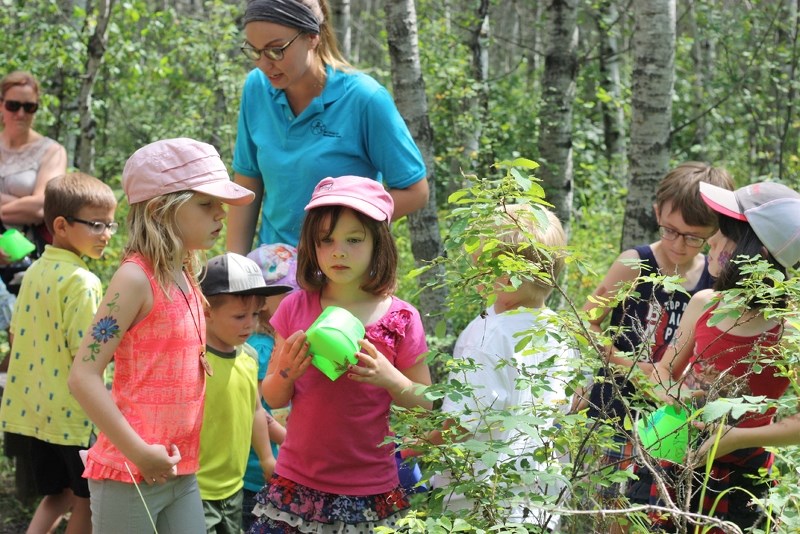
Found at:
[335, 473]
[151, 323]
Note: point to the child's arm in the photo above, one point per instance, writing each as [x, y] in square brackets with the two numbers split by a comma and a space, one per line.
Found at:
[277, 432]
[289, 361]
[620, 272]
[778, 434]
[260, 440]
[403, 386]
[127, 300]
[676, 358]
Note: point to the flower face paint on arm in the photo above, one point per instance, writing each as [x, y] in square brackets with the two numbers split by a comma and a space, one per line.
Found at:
[104, 330]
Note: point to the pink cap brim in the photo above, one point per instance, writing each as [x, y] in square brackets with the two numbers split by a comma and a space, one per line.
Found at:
[227, 191]
[351, 202]
[721, 200]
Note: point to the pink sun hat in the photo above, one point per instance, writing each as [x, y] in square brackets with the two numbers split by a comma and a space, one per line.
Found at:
[361, 194]
[181, 164]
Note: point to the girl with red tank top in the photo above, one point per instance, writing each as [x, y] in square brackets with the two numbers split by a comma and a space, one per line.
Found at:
[151, 323]
[733, 355]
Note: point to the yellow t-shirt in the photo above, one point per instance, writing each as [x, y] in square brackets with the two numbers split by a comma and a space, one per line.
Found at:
[54, 309]
[231, 396]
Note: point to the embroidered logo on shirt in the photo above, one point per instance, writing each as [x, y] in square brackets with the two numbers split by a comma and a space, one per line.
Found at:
[318, 128]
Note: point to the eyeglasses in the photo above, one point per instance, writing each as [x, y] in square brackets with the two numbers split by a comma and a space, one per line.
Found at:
[691, 240]
[275, 53]
[14, 105]
[96, 226]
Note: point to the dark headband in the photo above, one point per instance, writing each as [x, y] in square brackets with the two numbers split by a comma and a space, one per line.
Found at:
[284, 12]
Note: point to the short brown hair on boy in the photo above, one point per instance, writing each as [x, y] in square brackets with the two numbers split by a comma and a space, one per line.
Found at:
[680, 188]
[65, 196]
[215, 301]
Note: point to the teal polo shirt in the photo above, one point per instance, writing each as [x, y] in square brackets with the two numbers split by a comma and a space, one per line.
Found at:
[352, 128]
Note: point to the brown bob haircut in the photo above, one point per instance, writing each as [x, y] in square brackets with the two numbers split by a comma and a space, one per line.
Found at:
[319, 224]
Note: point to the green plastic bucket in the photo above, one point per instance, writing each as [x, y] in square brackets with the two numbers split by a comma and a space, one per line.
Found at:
[15, 244]
[333, 341]
[665, 434]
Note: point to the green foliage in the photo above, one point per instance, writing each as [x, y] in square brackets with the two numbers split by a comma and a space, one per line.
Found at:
[486, 468]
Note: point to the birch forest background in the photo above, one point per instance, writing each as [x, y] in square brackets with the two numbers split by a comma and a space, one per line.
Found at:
[605, 95]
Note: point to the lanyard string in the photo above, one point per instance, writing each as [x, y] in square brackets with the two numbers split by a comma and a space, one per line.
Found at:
[196, 323]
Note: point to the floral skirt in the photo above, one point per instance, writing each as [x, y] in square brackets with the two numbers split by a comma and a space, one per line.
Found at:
[285, 506]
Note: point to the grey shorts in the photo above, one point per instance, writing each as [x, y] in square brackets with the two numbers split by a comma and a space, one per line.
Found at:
[174, 507]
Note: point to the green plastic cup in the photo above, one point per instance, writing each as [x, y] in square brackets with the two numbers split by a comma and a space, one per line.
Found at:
[665, 434]
[333, 341]
[15, 244]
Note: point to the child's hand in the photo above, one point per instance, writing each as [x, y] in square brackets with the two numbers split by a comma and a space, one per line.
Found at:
[293, 359]
[728, 440]
[157, 465]
[268, 467]
[675, 395]
[374, 368]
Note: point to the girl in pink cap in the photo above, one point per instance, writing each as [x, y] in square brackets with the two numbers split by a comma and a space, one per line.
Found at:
[151, 323]
[335, 473]
[733, 355]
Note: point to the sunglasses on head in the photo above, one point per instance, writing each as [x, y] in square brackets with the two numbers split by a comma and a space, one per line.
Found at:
[14, 105]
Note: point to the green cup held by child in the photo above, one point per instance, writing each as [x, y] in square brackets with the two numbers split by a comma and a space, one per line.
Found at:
[665, 434]
[333, 341]
[15, 244]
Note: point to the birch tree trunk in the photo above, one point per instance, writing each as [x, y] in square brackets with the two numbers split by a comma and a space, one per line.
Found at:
[94, 57]
[558, 94]
[409, 93]
[653, 45]
[343, 24]
[478, 105]
[534, 42]
[787, 145]
[608, 26]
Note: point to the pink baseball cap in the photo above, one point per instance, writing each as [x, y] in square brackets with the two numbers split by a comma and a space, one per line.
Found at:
[361, 194]
[181, 164]
[772, 210]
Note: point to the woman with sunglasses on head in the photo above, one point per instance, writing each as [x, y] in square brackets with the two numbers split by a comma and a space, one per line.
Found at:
[306, 114]
[28, 160]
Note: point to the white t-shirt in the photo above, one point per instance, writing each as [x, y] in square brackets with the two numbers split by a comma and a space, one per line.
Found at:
[491, 342]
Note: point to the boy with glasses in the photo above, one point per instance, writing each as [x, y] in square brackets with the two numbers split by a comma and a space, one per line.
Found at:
[645, 321]
[55, 307]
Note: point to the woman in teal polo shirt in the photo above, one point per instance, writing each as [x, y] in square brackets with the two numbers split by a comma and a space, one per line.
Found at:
[307, 114]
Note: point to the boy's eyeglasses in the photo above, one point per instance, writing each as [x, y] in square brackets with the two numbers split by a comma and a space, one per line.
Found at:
[671, 235]
[14, 105]
[274, 53]
[96, 226]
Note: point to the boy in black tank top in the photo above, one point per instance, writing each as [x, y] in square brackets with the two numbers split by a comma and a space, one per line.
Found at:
[643, 324]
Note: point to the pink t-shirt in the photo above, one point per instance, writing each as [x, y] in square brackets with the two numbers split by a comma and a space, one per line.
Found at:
[159, 383]
[335, 430]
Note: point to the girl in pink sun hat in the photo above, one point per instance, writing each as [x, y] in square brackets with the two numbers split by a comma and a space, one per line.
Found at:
[142, 468]
[735, 355]
[334, 471]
